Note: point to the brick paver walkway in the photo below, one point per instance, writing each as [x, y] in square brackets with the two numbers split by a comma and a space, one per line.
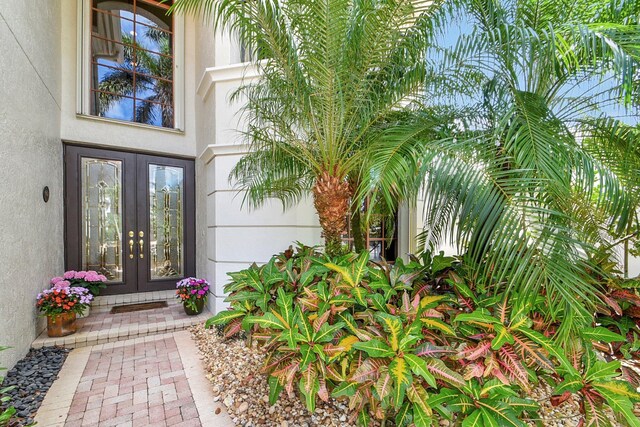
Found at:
[134, 385]
[105, 320]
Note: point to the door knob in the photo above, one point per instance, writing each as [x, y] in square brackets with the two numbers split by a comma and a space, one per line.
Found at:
[141, 245]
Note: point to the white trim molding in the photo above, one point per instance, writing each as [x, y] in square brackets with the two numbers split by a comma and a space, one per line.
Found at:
[213, 75]
[215, 150]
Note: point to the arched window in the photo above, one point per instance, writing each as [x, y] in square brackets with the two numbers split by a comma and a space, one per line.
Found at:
[132, 61]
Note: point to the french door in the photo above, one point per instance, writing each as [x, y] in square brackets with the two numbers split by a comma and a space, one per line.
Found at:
[130, 217]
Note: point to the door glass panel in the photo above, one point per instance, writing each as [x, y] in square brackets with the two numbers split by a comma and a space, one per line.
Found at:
[102, 217]
[166, 192]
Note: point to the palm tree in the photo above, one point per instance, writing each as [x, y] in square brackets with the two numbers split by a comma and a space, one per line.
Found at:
[617, 145]
[513, 186]
[331, 72]
[118, 83]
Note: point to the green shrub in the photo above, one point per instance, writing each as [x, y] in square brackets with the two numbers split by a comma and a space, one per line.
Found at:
[7, 412]
[411, 343]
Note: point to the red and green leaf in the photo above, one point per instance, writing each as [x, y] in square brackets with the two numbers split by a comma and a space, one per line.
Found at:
[419, 367]
[442, 372]
[402, 379]
[374, 348]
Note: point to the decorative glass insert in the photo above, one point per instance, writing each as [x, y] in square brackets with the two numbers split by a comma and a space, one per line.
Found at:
[132, 61]
[166, 201]
[102, 217]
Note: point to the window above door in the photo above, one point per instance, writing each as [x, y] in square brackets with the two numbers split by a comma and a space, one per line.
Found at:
[131, 62]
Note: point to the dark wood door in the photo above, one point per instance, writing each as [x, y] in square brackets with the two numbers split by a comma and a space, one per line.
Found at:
[130, 217]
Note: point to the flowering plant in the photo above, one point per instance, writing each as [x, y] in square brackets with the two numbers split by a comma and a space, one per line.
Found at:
[63, 298]
[90, 280]
[191, 290]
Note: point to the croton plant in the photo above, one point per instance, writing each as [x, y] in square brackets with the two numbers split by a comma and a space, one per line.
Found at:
[412, 343]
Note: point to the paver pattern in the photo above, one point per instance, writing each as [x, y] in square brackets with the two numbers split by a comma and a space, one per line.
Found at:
[104, 320]
[134, 385]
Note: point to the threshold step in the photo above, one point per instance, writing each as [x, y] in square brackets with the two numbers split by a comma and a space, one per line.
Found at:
[102, 327]
[111, 300]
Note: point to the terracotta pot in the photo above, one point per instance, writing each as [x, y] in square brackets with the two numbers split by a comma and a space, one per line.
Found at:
[61, 325]
[198, 310]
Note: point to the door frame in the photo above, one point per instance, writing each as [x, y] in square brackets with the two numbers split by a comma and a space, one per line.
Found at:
[137, 177]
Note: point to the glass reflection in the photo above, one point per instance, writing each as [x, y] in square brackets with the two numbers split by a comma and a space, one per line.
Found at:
[102, 217]
[132, 61]
[166, 221]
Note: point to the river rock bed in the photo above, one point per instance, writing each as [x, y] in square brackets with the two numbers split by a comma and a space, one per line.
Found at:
[234, 372]
[233, 369]
[32, 377]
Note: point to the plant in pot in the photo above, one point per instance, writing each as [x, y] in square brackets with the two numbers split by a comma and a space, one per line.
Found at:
[61, 304]
[90, 280]
[193, 293]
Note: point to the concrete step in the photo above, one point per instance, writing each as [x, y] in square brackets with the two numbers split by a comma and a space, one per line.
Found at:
[101, 327]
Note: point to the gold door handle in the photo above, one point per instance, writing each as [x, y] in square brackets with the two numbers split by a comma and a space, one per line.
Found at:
[141, 245]
[131, 249]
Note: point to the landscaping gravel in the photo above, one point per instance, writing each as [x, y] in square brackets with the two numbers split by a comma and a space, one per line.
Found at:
[32, 377]
[234, 372]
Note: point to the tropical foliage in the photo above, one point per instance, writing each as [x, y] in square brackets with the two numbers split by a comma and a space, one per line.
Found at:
[415, 343]
[331, 73]
[515, 185]
[511, 138]
[617, 145]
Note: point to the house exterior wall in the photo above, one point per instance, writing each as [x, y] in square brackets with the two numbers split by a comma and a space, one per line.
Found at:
[31, 231]
[94, 131]
[236, 237]
[39, 83]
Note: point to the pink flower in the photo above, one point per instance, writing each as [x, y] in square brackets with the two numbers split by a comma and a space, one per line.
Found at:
[56, 280]
[71, 274]
[92, 272]
[62, 284]
[80, 274]
[91, 277]
[102, 277]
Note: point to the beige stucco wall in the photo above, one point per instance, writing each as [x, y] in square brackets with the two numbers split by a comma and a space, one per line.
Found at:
[31, 231]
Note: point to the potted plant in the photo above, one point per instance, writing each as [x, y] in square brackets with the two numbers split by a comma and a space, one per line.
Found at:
[193, 294]
[61, 304]
[90, 280]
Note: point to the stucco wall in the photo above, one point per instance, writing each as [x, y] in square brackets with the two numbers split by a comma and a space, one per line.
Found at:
[31, 231]
[236, 236]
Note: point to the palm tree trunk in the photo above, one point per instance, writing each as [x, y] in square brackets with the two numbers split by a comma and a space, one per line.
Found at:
[331, 197]
[356, 218]
[356, 228]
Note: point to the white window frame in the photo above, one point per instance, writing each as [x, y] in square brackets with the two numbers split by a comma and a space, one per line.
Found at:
[83, 98]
